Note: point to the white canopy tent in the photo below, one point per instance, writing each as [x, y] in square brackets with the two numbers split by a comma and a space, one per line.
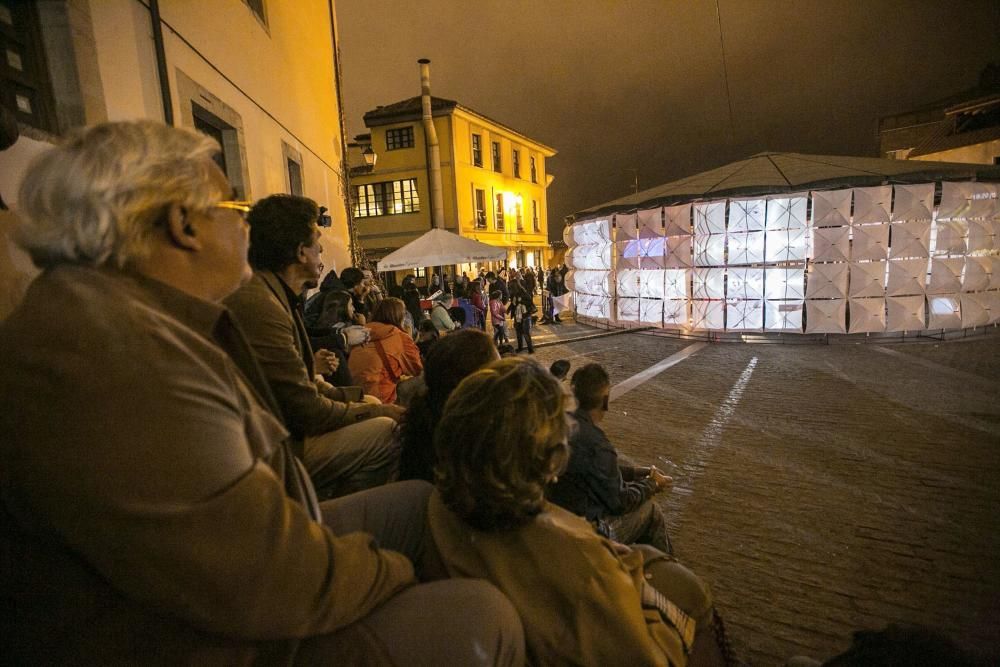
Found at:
[439, 247]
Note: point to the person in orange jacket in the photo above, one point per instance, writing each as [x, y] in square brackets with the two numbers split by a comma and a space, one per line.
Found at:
[390, 355]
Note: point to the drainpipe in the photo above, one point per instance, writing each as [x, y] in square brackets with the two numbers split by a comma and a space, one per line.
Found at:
[161, 62]
[433, 149]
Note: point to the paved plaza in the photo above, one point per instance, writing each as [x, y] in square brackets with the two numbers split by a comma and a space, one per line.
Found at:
[819, 489]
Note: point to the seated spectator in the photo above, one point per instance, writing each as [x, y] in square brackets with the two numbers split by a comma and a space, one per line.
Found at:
[440, 315]
[347, 444]
[583, 599]
[146, 515]
[359, 287]
[427, 335]
[617, 498]
[560, 371]
[449, 361]
[411, 297]
[390, 355]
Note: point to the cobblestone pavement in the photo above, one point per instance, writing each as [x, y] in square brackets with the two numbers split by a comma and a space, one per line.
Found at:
[821, 489]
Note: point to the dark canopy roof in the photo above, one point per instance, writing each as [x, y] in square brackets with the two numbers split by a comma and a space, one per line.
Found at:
[774, 173]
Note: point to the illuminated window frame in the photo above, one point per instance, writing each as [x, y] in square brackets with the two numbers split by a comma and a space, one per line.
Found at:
[386, 198]
[399, 137]
[477, 150]
[519, 215]
[479, 207]
[515, 162]
[535, 221]
[498, 212]
[534, 170]
[497, 164]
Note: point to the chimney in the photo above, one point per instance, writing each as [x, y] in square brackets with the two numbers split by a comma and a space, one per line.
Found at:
[433, 149]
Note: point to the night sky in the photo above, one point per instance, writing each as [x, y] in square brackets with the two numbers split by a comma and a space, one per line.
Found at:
[620, 85]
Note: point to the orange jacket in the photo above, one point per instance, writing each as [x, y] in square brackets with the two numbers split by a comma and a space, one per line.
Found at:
[369, 371]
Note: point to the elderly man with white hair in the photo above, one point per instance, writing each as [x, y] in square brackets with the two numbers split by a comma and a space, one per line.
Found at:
[151, 510]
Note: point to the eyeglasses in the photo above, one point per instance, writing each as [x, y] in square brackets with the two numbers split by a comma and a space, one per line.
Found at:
[242, 206]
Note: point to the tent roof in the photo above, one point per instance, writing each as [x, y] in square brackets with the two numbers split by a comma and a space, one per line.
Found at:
[775, 173]
[439, 247]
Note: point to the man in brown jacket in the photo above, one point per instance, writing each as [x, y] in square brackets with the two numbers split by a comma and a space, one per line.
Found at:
[348, 446]
[141, 517]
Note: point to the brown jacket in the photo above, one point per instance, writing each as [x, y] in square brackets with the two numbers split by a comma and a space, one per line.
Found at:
[367, 362]
[139, 521]
[280, 342]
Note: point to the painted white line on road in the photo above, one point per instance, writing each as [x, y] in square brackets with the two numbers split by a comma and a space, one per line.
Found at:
[628, 385]
[711, 438]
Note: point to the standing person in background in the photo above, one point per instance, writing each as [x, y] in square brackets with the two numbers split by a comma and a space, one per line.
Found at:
[498, 315]
[521, 308]
[389, 357]
[540, 278]
[476, 299]
[556, 288]
[528, 278]
[497, 283]
[440, 315]
[435, 285]
[411, 297]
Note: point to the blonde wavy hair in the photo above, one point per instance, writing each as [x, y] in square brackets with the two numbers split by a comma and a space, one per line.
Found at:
[95, 198]
[501, 438]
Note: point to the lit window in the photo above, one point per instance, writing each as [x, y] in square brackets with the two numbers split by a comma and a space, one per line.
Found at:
[496, 156]
[479, 206]
[499, 212]
[535, 224]
[294, 177]
[399, 137]
[534, 172]
[388, 198]
[519, 216]
[477, 150]
[516, 163]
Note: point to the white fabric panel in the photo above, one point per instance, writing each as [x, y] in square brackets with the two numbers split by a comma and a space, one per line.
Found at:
[785, 245]
[827, 281]
[946, 275]
[678, 220]
[907, 276]
[746, 215]
[868, 279]
[562, 303]
[745, 284]
[906, 313]
[677, 283]
[975, 311]
[592, 282]
[867, 315]
[744, 315]
[708, 315]
[710, 218]
[709, 284]
[569, 280]
[992, 301]
[943, 312]
[678, 252]
[625, 223]
[569, 235]
[910, 239]
[593, 306]
[592, 257]
[651, 284]
[831, 208]
[651, 311]
[746, 247]
[786, 213]
[872, 204]
[951, 237]
[628, 310]
[913, 202]
[831, 244]
[628, 282]
[783, 315]
[980, 236]
[994, 272]
[954, 199]
[652, 253]
[710, 249]
[784, 283]
[650, 223]
[628, 254]
[675, 313]
[595, 232]
[977, 274]
[826, 317]
[983, 205]
[870, 242]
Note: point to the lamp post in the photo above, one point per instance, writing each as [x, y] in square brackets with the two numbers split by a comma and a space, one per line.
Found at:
[369, 156]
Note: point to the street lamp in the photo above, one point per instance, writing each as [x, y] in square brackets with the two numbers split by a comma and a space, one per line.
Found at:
[369, 156]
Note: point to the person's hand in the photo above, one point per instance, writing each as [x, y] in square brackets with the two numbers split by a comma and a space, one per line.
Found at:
[326, 361]
[391, 410]
[662, 481]
[359, 319]
[620, 549]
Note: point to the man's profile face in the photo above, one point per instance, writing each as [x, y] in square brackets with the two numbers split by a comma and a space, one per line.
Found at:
[226, 239]
[312, 263]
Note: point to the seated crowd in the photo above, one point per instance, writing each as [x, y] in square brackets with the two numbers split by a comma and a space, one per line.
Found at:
[210, 469]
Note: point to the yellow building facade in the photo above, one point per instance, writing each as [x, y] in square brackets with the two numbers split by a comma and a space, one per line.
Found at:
[493, 180]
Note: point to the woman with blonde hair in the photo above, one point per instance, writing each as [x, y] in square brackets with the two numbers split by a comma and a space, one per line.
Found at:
[389, 356]
[583, 599]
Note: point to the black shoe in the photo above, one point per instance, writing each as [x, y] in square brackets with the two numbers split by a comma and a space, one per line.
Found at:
[519, 350]
[558, 321]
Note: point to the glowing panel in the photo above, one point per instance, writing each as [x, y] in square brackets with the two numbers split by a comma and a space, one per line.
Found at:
[980, 236]
[831, 244]
[954, 199]
[946, 275]
[678, 250]
[744, 315]
[827, 281]
[593, 306]
[570, 280]
[651, 284]
[831, 209]
[905, 313]
[868, 279]
[709, 284]
[913, 202]
[628, 309]
[783, 315]
[628, 282]
[983, 204]
[591, 257]
[872, 204]
[597, 232]
[745, 284]
[943, 312]
[710, 218]
[650, 223]
[975, 311]
[626, 225]
[826, 317]
[676, 283]
[784, 283]
[870, 242]
[678, 220]
[785, 245]
[786, 213]
[910, 239]
[592, 282]
[977, 274]
[907, 276]
[651, 311]
[867, 315]
[708, 314]
[652, 253]
[710, 249]
[628, 253]
[951, 237]
[746, 215]
[746, 247]
[675, 313]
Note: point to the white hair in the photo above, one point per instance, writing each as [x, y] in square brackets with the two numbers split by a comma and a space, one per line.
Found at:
[96, 198]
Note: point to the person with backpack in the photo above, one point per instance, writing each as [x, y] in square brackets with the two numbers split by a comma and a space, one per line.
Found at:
[389, 357]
